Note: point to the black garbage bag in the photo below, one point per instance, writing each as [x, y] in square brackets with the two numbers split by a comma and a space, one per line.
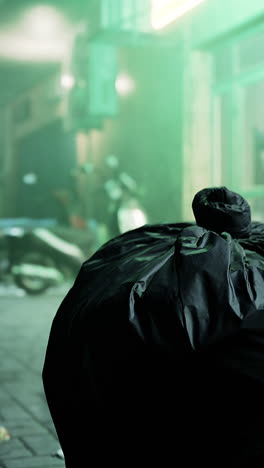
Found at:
[156, 354]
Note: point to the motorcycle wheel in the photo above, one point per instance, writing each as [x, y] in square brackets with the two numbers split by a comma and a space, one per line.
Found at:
[34, 286]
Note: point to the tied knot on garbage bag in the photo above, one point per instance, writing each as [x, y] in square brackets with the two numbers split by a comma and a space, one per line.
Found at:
[219, 209]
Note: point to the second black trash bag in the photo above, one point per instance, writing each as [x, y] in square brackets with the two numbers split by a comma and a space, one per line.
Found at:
[156, 354]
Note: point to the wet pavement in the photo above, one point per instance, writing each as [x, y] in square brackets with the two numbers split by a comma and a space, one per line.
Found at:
[24, 329]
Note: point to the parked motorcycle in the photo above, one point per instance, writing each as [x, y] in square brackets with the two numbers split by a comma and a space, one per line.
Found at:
[40, 257]
[124, 206]
[117, 198]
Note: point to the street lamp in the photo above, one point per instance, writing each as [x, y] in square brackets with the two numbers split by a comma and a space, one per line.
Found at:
[41, 34]
[67, 81]
[124, 84]
[43, 22]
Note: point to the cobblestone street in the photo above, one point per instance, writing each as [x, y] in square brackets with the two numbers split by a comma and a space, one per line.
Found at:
[25, 324]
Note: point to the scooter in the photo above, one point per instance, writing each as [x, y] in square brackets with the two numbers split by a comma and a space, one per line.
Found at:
[130, 215]
[39, 258]
[124, 206]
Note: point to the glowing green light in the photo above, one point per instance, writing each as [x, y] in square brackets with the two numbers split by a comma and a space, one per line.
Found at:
[165, 12]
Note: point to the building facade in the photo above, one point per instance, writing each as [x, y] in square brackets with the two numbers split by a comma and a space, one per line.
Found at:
[174, 88]
[216, 48]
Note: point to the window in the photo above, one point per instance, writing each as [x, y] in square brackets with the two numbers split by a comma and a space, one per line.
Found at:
[238, 141]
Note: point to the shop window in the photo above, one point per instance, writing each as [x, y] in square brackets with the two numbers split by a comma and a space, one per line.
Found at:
[238, 159]
[234, 58]
[254, 134]
[251, 51]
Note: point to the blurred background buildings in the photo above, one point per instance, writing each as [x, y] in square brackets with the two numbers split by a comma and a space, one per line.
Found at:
[173, 88]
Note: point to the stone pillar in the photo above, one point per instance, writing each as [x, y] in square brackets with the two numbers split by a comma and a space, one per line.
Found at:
[197, 126]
